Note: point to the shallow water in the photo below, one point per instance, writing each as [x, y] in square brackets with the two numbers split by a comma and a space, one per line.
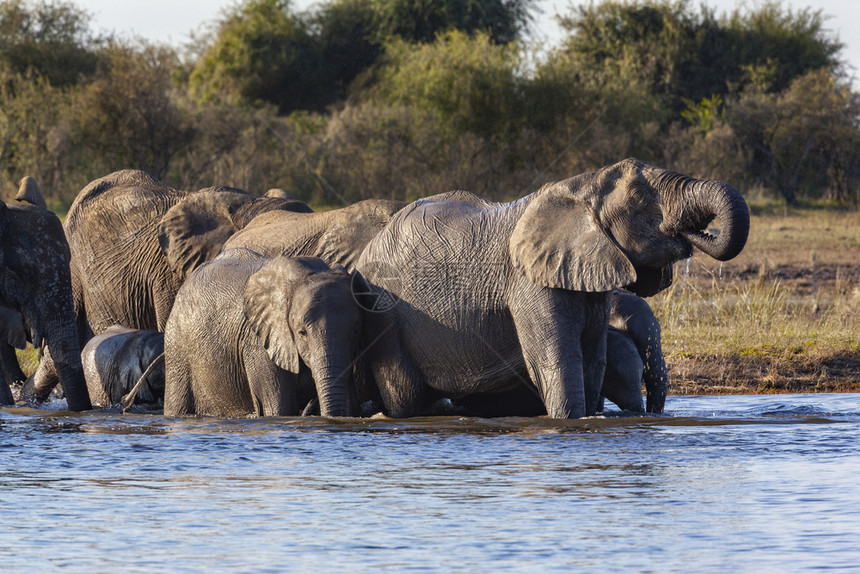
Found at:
[720, 484]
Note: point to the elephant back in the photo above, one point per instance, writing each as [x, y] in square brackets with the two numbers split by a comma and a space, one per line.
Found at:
[123, 202]
[120, 195]
[337, 236]
[118, 272]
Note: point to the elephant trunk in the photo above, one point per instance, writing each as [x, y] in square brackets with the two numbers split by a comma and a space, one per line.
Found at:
[65, 352]
[656, 377]
[694, 203]
[332, 389]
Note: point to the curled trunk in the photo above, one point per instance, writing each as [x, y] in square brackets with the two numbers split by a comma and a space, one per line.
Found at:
[694, 204]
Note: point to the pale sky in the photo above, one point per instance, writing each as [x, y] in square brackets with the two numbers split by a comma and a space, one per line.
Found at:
[172, 21]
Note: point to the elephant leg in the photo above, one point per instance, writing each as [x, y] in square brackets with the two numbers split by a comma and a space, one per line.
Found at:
[273, 390]
[593, 342]
[178, 394]
[400, 384]
[622, 383]
[9, 363]
[563, 339]
[11, 373]
[6, 397]
[40, 384]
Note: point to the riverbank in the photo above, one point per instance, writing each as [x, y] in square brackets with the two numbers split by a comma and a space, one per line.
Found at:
[782, 317]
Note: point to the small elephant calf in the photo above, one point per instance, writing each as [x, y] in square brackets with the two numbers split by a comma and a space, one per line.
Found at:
[124, 366]
[250, 335]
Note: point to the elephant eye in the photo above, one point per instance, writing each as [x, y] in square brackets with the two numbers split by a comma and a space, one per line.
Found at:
[637, 196]
[303, 332]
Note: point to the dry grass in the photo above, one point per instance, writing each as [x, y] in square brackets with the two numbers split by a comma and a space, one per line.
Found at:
[784, 316]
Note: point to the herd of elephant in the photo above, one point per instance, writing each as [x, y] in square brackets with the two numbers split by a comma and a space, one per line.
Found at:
[222, 303]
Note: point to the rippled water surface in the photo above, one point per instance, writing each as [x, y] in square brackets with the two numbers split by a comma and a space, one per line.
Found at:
[720, 484]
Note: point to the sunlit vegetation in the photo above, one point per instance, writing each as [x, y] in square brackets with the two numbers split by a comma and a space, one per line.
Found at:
[392, 98]
[784, 316]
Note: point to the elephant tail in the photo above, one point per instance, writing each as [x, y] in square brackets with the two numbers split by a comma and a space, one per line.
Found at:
[128, 400]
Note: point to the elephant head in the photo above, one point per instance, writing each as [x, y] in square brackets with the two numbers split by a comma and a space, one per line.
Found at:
[303, 311]
[194, 230]
[35, 281]
[624, 226]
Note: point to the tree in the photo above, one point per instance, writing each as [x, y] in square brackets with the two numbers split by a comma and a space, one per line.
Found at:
[347, 42]
[469, 83]
[423, 20]
[803, 139]
[688, 55]
[35, 134]
[51, 39]
[790, 43]
[263, 52]
[127, 116]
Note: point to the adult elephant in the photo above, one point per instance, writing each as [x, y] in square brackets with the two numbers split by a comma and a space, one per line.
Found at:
[478, 296]
[133, 241]
[251, 335]
[36, 292]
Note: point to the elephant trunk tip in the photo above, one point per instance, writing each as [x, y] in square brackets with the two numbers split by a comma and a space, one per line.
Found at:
[711, 200]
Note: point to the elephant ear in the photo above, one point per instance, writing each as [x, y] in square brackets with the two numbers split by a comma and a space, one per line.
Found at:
[268, 295]
[12, 329]
[194, 230]
[558, 243]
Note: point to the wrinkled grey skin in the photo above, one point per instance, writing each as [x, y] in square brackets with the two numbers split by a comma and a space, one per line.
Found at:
[632, 317]
[13, 335]
[491, 295]
[134, 240]
[337, 236]
[115, 360]
[35, 282]
[623, 379]
[250, 335]
[634, 357]
[622, 384]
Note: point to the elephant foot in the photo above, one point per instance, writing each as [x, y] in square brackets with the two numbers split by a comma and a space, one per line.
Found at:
[6, 398]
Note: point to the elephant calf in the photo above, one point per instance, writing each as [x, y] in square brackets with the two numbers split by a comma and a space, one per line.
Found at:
[124, 366]
[250, 335]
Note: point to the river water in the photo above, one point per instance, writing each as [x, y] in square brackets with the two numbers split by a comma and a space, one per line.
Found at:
[720, 484]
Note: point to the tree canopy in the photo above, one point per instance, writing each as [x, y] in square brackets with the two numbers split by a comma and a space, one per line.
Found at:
[407, 98]
[51, 39]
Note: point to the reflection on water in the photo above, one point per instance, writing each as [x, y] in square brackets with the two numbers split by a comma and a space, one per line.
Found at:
[721, 484]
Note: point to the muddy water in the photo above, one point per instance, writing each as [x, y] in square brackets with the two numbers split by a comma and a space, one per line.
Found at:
[720, 484]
